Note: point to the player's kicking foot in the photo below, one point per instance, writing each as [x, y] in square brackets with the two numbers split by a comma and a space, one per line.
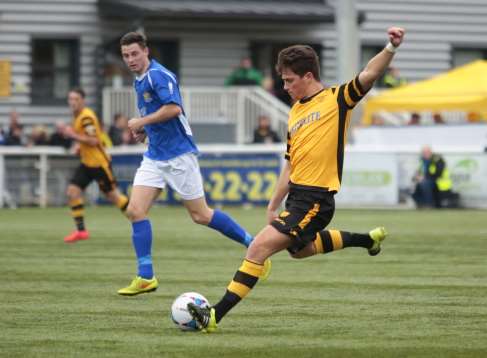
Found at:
[377, 235]
[204, 316]
[139, 285]
[77, 235]
[267, 270]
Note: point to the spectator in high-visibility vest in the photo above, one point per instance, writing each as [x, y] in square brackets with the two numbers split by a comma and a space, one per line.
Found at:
[392, 78]
[432, 180]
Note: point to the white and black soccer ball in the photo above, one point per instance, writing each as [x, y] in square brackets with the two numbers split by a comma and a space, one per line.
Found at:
[179, 310]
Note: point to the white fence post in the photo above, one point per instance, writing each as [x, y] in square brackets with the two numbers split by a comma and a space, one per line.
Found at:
[2, 180]
[43, 170]
[240, 125]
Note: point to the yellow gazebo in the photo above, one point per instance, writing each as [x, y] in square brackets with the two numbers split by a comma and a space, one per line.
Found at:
[461, 89]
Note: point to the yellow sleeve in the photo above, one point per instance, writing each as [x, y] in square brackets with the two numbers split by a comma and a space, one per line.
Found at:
[89, 126]
[350, 93]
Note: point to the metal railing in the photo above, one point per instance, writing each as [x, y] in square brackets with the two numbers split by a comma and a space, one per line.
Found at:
[237, 105]
[38, 176]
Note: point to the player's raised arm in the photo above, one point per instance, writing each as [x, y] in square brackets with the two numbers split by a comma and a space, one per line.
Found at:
[379, 63]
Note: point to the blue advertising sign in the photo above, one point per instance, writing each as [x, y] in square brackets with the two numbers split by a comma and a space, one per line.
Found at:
[229, 179]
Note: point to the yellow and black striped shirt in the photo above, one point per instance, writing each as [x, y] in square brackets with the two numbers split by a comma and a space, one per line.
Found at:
[86, 123]
[317, 133]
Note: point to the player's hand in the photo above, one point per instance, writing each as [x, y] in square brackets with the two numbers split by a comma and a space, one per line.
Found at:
[136, 125]
[140, 136]
[75, 149]
[271, 215]
[69, 132]
[396, 35]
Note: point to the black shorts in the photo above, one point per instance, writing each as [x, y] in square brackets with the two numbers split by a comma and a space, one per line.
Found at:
[307, 212]
[84, 175]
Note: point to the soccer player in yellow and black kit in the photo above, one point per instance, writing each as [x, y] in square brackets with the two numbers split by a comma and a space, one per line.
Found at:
[95, 163]
[317, 131]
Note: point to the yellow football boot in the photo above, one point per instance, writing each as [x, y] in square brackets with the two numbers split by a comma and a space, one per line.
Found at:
[377, 235]
[139, 285]
[204, 316]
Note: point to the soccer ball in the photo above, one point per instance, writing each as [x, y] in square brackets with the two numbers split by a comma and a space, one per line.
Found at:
[179, 311]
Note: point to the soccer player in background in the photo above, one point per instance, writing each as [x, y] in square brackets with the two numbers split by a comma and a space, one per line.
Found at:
[95, 163]
[317, 130]
[170, 160]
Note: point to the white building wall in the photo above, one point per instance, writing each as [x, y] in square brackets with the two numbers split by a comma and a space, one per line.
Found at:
[210, 50]
[20, 22]
[433, 29]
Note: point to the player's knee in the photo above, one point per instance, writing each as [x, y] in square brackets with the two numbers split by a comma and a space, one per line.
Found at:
[297, 255]
[306, 251]
[73, 192]
[202, 217]
[134, 213]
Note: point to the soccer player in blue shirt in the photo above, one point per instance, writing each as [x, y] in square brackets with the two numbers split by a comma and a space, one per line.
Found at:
[169, 160]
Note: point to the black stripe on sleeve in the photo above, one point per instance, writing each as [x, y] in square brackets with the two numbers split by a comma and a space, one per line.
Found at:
[354, 96]
[342, 102]
[87, 119]
[359, 86]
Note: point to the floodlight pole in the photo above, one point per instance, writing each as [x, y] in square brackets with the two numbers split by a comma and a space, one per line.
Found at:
[348, 45]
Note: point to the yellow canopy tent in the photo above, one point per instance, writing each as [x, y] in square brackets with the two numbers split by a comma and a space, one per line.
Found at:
[461, 89]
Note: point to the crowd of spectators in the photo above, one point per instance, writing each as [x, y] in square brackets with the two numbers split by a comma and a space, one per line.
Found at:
[17, 134]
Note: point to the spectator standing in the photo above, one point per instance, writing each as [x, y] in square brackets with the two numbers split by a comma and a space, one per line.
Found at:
[38, 136]
[15, 133]
[415, 119]
[264, 133]
[120, 124]
[438, 119]
[59, 137]
[392, 78]
[245, 75]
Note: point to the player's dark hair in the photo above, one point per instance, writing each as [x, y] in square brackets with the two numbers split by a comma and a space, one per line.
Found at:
[79, 91]
[132, 38]
[300, 59]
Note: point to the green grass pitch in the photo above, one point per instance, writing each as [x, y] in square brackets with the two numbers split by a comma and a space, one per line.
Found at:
[425, 295]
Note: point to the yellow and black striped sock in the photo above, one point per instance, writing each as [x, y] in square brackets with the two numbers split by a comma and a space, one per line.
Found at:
[244, 280]
[333, 240]
[122, 202]
[78, 212]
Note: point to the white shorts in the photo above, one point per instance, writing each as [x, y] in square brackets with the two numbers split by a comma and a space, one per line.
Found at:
[182, 174]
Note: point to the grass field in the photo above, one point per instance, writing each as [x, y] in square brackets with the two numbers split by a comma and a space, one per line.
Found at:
[425, 295]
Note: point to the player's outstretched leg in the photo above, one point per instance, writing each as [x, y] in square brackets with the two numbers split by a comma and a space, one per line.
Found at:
[244, 280]
[332, 240]
[142, 240]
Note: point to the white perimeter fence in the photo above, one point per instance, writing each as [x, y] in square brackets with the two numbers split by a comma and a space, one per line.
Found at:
[241, 174]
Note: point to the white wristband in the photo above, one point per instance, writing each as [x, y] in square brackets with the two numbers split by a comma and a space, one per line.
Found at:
[391, 48]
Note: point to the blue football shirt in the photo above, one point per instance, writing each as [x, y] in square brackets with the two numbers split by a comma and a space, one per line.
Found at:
[155, 88]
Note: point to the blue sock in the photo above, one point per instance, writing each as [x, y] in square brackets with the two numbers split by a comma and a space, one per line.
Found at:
[228, 227]
[142, 241]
